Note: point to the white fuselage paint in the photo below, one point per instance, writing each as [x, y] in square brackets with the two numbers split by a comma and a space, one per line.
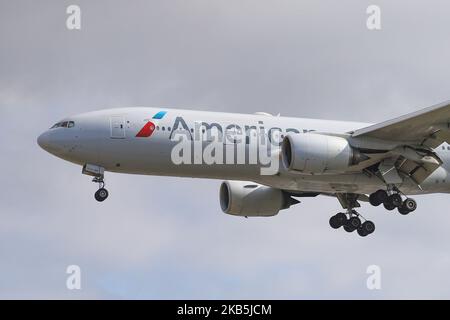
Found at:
[96, 138]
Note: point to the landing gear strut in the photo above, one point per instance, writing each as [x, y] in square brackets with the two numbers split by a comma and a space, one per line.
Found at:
[101, 194]
[392, 199]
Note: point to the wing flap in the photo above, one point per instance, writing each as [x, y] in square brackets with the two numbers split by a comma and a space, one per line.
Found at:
[416, 171]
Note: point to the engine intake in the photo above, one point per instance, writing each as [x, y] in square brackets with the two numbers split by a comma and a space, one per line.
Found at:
[242, 198]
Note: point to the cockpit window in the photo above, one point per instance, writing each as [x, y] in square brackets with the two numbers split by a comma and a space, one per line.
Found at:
[64, 124]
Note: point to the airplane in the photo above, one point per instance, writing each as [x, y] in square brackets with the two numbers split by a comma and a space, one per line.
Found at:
[354, 162]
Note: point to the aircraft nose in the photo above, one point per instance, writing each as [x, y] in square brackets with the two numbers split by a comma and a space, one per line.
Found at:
[44, 141]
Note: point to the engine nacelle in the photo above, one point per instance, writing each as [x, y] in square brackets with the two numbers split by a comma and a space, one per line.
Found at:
[311, 153]
[242, 198]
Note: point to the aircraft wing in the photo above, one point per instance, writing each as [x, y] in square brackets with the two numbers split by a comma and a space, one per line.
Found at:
[428, 127]
[412, 137]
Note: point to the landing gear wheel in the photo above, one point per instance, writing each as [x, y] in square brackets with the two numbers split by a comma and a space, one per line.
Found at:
[388, 205]
[403, 210]
[410, 204]
[341, 218]
[362, 232]
[348, 228]
[378, 197]
[373, 199]
[366, 228]
[395, 199]
[101, 195]
[354, 222]
[338, 220]
[334, 223]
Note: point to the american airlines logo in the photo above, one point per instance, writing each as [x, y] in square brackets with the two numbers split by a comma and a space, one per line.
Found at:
[214, 143]
[149, 127]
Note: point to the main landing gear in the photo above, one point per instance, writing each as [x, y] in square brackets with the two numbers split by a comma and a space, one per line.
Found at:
[392, 199]
[350, 221]
[101, 194]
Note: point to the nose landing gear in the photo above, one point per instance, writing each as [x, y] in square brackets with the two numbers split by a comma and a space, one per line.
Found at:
[99, 177]
[101, 194]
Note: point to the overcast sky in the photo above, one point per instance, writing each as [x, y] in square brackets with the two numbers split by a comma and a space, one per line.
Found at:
[167, 237]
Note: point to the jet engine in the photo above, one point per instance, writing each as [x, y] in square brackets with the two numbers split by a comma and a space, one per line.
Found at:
[311, 153]
[242, 198]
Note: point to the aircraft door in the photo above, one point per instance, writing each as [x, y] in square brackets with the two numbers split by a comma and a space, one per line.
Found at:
[117, 127]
